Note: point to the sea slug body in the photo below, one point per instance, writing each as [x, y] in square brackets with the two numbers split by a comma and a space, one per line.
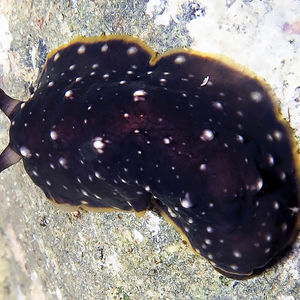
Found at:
[111, 125]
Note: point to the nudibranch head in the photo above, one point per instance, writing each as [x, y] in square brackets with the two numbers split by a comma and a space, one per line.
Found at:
[111, 125]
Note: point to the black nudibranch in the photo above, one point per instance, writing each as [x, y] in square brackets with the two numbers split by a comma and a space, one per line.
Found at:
[112, 125]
